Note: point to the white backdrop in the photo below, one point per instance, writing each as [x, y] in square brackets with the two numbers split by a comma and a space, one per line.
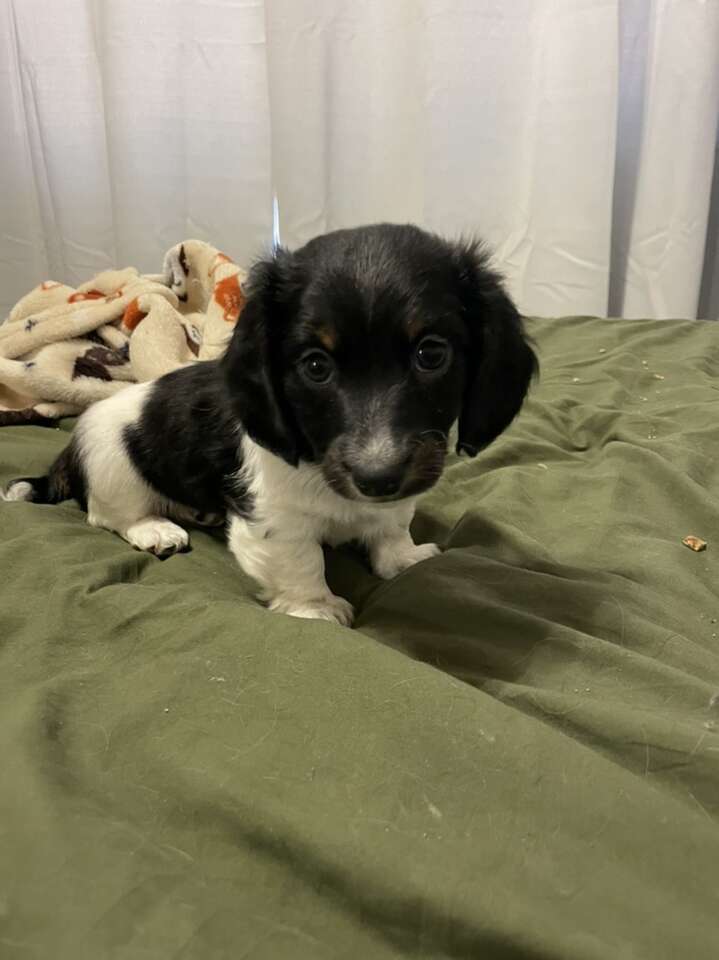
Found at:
[126, 126]
[577, 136]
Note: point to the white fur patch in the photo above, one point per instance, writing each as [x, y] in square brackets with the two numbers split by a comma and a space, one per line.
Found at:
[117, 494]
[298, 503]
[118, 498]
[392, 555]
[20, 490]
[294, 512]
[332, 608]
[380, 449]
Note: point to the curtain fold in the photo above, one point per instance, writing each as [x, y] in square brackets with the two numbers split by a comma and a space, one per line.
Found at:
[578, 137]
[670, 133]
[500, 121]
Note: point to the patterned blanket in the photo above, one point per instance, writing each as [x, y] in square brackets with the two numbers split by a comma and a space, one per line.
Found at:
[64, 348]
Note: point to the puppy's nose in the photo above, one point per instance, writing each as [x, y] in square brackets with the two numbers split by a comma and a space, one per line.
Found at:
[383, 482]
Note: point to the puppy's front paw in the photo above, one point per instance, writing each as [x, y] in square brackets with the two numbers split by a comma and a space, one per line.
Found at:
[159, 536]
[389, 560]
[329, 607]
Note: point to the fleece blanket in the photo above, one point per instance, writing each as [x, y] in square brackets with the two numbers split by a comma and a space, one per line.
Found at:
[62, 348]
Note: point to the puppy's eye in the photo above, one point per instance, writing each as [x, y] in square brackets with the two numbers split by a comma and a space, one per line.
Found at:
[317, 366]
[432, 354]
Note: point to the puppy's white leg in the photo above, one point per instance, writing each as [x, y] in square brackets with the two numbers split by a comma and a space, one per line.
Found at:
[393, 551]
[291, 573]
[118, 498]
[135, 522]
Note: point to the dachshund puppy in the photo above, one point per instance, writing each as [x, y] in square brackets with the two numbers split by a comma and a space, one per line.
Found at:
[323, 422]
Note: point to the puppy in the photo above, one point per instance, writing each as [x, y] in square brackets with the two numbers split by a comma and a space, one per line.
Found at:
[325, 419]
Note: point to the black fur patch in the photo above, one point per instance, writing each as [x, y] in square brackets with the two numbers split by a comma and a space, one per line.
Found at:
[65, 480]
[187, 442]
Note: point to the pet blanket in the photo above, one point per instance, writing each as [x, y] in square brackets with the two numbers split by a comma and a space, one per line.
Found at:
[63, 348]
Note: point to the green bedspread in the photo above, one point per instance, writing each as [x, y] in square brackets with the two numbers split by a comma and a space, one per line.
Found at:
[515, 753]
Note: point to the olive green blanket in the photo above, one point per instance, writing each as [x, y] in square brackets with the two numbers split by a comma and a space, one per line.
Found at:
[515, 753]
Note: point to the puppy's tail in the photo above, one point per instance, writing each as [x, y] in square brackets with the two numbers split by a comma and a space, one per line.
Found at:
[63, 481]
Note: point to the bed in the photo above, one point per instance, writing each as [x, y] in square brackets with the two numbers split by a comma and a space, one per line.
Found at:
[514, 753]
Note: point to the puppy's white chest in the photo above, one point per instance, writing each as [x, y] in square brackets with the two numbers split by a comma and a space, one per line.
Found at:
[315, 512]
[334, 528]
[297, 503]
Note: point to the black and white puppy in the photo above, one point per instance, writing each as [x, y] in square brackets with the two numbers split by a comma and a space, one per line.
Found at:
[326, 417]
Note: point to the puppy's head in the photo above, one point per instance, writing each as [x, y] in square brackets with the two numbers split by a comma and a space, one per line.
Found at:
[359, 351]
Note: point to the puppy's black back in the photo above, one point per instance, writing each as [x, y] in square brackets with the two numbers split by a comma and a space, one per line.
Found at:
[186, 443]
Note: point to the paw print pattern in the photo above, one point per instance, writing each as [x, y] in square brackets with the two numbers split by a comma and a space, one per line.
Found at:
[88, 295]
[229, 297]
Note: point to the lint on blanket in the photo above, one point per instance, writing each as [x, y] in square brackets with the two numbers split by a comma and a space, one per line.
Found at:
[62, 349]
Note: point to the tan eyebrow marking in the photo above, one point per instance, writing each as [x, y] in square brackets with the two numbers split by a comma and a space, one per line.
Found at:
[414, 325]
[327, 337]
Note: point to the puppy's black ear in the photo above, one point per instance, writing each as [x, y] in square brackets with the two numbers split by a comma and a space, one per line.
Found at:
[501, 363]
[252, 365]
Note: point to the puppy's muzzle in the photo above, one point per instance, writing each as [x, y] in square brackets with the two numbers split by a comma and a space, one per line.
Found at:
[380, 472]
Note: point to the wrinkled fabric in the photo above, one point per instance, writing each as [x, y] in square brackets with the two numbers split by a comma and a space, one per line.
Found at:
[514, 754]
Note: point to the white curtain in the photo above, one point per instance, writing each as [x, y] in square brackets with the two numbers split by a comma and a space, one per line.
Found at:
[577, 136]
[128, 125]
